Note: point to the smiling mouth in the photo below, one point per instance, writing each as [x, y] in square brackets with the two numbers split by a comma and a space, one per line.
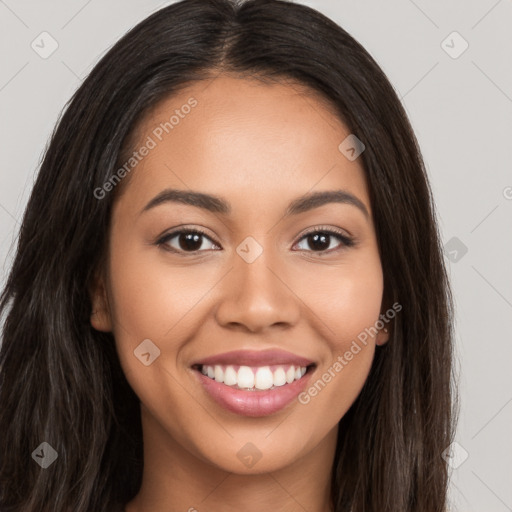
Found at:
[254, 378]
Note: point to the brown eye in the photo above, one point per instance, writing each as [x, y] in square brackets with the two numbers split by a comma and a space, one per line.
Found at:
[321, 240]
[188, 241]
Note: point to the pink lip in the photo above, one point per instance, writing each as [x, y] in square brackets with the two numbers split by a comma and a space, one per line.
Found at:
[255, 358]
[253, 403]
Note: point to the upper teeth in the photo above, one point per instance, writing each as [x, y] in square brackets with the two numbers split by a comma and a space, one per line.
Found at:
[259, 378]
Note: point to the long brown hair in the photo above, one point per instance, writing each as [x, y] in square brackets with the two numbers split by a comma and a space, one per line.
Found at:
[61, 381]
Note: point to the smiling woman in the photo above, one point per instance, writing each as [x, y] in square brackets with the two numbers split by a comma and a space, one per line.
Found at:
[229, 291]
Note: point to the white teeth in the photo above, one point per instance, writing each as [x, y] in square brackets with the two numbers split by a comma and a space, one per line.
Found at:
[279, 377]
[230, 377]
[218, 374]
[264, 378]
[246, 378]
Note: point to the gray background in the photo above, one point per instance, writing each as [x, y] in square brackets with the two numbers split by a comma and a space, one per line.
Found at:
[461, 110]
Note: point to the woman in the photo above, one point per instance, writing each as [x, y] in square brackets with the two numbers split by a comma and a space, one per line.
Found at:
[229, 289]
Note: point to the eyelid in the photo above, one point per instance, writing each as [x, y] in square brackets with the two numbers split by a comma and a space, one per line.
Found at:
[327, 229]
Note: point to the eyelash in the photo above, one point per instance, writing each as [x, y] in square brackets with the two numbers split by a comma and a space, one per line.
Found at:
[346, 241]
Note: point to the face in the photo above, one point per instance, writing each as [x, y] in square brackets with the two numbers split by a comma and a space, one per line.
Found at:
[245, 284]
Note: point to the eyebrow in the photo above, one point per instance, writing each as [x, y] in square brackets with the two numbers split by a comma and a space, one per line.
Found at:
[216, 204]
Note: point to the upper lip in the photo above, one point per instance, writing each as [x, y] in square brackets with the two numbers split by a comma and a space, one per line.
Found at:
[255, 358]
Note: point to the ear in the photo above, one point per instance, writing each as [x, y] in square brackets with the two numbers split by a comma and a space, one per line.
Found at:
[100, 314]
[383, 335]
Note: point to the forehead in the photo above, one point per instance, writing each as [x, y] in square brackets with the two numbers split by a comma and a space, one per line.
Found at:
[245, 139]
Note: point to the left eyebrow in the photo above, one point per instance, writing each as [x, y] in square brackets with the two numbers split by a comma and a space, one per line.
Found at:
[216, 204]
[316, 199]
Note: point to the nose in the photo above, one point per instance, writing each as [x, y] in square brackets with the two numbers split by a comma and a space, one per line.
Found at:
[256, 296]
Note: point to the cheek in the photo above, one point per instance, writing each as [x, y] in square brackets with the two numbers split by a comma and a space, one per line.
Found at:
[346, 298]
[150, 297]
[336, 386]
[347, 303]
[150, 300]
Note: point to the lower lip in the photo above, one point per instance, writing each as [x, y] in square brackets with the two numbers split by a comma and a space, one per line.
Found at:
[253, 403]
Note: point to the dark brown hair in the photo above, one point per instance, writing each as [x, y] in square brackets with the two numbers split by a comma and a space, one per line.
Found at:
[61, 381]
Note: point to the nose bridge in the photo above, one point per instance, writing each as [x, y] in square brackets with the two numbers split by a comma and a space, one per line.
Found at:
[255, 295]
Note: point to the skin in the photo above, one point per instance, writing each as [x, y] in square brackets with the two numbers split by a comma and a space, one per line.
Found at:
[258, 146]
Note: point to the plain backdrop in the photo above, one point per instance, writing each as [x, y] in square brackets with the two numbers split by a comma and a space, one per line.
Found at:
[451, 64]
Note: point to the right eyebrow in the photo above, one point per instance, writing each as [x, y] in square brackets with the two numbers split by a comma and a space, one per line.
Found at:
[208, 202]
